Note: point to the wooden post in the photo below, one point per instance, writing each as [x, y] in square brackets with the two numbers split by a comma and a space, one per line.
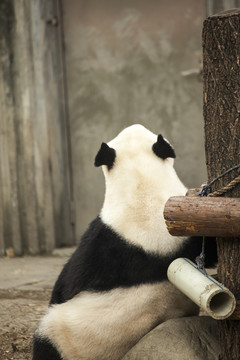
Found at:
[202, 216]
[221, 76]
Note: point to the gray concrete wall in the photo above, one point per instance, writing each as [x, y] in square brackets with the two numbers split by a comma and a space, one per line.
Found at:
[125, 64]
[34, 185]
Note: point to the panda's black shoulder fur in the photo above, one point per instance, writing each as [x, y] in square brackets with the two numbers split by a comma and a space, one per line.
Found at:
[104, 261]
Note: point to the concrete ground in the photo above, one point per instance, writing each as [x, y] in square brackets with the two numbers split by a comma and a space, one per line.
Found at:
[32, 273]
[25, 290]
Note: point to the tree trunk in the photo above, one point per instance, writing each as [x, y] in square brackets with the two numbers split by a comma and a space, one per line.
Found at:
[221, 75]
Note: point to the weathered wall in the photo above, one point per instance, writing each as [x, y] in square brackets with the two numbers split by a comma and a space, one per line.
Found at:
[34, 188]
[126, 62]
[8, 184]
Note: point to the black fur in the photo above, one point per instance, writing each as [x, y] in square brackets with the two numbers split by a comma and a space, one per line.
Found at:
[163, 149]
[43, 349]
[105, 156]
[104, 261]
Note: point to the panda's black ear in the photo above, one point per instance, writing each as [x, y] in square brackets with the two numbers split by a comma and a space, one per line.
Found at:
[163, 149]
[105, 156]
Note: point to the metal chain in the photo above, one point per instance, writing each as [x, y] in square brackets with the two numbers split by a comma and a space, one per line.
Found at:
[200, 260]
[206, 191]
[226, 188]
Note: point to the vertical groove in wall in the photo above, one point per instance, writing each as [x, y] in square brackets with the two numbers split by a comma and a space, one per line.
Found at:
[9, 206]
[33, 186]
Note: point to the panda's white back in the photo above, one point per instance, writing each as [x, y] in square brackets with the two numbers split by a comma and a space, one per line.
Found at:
[137, 188]
[114, 288]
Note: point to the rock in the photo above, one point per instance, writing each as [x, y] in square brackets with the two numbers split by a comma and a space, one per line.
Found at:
[190, 338]
[10, 253]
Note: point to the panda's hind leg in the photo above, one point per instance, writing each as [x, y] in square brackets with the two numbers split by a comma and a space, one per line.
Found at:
[44, 350]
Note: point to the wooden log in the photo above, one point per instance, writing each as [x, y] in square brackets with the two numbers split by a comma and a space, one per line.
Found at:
[204, 216]
[221, 70]
[193, 192]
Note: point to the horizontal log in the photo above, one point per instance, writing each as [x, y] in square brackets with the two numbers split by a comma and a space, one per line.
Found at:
[193, 192]
[202, 216]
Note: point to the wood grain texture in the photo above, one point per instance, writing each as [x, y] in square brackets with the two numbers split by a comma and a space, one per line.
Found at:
[194, 216]
[221, 73]
[236, 313]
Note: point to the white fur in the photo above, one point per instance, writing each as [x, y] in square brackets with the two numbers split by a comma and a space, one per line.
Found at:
[137, 188]
[97, 326]
[105, 325]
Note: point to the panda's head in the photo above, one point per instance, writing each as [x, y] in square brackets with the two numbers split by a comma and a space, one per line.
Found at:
[136, 155]
[139, 177]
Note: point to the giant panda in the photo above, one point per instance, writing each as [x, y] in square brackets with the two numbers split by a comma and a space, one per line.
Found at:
[114, 288]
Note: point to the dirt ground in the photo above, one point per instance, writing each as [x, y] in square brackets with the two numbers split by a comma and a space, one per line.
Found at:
[19, 314]
[25, 289]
